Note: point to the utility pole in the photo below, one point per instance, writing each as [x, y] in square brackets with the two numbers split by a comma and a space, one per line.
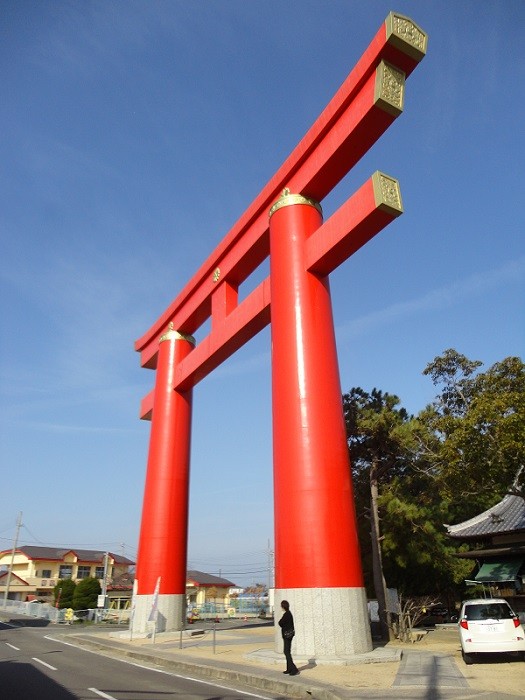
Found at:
[270, 567]
[105, 579]
[271, 590]
[10, 570]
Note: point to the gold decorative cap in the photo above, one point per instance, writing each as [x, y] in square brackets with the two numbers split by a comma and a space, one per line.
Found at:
[389, 90]
[405, 35]
[387, 193]
[171, 334]
[286, 199]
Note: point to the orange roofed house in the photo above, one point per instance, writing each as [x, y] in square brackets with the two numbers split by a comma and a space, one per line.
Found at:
[202, 588]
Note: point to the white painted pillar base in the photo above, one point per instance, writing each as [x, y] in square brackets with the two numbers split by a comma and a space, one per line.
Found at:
[329, 622]
[171, 615]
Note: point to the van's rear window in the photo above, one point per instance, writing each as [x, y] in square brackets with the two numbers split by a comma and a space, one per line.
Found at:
[492, 611]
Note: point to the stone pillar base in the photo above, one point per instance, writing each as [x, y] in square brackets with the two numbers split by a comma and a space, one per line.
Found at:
[171, 613]
[329, 622]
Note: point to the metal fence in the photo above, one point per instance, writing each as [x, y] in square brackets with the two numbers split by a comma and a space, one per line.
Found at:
[45, 611]
[32, 609]
[237, 609]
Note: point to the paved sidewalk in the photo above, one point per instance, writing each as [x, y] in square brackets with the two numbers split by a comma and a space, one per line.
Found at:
[244, 656]
[423, 669]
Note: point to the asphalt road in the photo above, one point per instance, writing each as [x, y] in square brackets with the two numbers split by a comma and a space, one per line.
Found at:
[36, 666]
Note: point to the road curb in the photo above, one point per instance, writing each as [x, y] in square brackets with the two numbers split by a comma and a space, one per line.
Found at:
[298, 688]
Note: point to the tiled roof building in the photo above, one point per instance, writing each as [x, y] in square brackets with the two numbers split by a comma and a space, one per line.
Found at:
[199, 578]
[507, 516]
[35, 570]
[497, 538]
[57, 554]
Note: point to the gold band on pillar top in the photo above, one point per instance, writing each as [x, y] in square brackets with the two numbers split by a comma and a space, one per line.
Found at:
[175, 335]
[286, 199]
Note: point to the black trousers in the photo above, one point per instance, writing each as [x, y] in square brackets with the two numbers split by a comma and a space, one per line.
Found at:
[290, 666]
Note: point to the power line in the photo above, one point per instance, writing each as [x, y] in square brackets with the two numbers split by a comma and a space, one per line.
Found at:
[73, 544]
[231, 569]
[256, 553]
[237, 573]
[32, 535]
[229, 566]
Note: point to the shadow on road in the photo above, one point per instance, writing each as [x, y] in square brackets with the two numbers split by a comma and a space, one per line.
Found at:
[28, 622]
[22, 681]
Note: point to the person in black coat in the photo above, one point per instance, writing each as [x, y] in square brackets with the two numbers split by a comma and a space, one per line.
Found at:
[288, 632]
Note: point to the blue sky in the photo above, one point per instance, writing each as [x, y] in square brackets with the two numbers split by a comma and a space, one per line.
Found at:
[134, 135]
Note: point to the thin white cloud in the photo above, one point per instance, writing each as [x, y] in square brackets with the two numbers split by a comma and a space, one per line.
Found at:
[252, 364]
[92, 41]
[512, 272]
[62, 428]
[86, 321]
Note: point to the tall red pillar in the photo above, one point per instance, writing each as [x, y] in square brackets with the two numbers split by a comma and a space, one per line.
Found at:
[317, 559]
[162, 552]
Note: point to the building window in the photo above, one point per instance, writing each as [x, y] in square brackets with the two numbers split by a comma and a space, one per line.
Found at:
[66, 571]
[83, 572]
[99, 572]
[45, 573]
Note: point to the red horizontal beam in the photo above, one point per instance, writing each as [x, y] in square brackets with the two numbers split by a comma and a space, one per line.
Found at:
[359, 219]
[354, 119]
[365, 214]
[244, 322]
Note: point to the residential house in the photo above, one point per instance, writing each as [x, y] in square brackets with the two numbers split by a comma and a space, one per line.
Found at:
[207, 590]
[36, 570]
[202, 590]
[120, 590]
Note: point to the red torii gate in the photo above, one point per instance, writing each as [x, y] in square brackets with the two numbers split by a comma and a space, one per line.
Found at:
[317, 560]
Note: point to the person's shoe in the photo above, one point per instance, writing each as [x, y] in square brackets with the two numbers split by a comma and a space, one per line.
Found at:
[286, 671]
[294, 673]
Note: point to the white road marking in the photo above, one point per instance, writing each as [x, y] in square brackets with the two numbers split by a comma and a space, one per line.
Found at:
[102, 695]
[198, 680]
[44, 663]
[54, 639]
[157, 670]
[12, 646]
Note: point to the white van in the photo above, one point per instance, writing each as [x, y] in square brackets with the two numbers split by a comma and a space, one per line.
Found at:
[489, 625]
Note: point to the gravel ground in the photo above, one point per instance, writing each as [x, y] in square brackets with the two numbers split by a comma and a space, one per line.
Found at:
[497, 673]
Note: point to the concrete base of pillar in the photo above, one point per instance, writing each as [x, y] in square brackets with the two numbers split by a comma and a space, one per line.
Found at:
[171, 615]
[330, 623]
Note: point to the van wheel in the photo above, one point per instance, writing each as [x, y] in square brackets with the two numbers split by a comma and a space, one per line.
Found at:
[467, 658]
